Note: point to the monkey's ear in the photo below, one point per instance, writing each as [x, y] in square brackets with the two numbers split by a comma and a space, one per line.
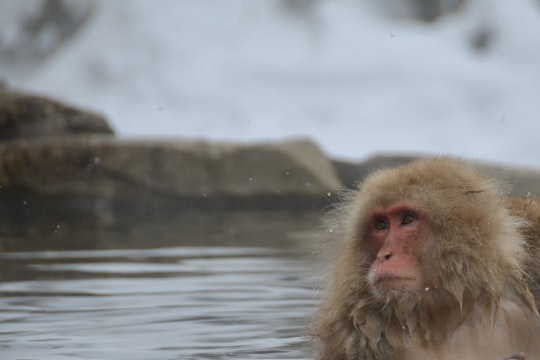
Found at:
[518, 356]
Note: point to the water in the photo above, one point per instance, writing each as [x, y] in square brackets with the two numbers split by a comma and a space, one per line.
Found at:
[216, 295]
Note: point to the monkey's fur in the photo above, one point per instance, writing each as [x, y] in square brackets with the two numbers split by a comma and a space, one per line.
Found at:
[481, 262]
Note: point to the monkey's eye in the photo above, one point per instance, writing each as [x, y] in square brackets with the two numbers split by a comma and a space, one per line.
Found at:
[380, 224]
[408, 218]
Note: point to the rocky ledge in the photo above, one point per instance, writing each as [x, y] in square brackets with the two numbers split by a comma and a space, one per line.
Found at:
[67, 183]
[30, 116]
[190, 173]
[55, 155]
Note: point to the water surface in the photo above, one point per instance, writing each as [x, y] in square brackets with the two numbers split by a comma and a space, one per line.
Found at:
[216, 295]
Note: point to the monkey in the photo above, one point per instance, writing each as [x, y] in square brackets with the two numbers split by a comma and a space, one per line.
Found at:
[529, 208]
[434, 261]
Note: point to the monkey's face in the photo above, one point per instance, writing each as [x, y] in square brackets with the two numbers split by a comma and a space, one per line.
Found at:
[396, 234]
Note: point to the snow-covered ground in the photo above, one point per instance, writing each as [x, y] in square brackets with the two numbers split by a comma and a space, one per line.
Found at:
[345, 74]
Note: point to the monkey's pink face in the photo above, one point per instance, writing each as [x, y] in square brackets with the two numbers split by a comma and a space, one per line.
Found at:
[396, 234]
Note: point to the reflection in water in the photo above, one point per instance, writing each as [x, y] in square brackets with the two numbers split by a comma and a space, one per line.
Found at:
[207, 301]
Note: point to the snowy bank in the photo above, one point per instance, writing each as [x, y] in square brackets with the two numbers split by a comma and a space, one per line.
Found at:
[345, 73]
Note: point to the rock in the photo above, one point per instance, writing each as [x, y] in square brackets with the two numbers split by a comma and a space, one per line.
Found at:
[521, 181]
[290, 167]
[350, 174]
[197, 172]
[29, 116]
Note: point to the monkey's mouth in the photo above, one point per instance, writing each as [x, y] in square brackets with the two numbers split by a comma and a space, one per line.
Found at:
[391, 282]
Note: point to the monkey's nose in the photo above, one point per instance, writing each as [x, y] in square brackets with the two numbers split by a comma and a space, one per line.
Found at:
[384, 255]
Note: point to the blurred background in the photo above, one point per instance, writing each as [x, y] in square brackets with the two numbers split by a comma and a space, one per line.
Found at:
[137, 250]
[453, 77]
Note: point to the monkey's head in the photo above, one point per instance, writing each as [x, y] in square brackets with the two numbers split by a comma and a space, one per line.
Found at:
[433, 229]
[426, 249]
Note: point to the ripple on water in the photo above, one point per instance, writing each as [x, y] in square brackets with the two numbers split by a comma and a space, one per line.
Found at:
[168, 303]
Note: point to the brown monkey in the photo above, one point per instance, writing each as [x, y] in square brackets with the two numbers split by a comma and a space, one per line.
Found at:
[529, 209]
[432, 264]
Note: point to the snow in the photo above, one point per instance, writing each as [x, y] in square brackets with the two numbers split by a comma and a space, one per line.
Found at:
[345, 74]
